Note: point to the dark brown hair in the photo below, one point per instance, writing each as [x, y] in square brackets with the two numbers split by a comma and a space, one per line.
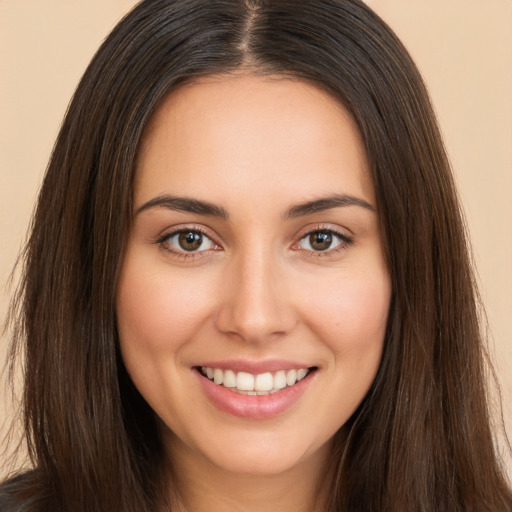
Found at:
[421, 439]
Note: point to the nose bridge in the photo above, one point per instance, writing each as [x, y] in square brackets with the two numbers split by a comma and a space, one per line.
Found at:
[255, 305]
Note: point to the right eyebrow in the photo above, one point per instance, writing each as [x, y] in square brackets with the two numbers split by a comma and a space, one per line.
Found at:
[184, 204]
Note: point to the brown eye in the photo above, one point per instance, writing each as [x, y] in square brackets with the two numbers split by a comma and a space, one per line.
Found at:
[187, 241]
[320, 240]
[324, 240]
[190, 240]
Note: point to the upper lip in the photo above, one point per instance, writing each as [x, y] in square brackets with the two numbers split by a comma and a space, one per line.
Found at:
[255, 367]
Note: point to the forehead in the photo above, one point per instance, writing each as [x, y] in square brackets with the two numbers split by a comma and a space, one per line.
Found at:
[244, 131]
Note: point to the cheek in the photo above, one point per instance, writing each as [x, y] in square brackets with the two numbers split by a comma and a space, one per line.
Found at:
[158, 311]
[351, 320]
[351, 315]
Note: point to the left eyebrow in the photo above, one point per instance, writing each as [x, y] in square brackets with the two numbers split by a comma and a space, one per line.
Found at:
[326, 203]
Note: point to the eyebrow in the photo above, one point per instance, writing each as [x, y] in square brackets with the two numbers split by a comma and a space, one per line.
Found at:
[185, 204]
[327, 203]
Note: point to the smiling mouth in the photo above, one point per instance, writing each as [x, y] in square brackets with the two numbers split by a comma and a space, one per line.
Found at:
[260, 384]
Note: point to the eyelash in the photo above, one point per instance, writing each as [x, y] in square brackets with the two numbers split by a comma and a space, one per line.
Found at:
[343, 239]
[183, 254]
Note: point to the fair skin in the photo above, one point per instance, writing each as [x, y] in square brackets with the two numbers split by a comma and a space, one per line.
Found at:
[270, 262]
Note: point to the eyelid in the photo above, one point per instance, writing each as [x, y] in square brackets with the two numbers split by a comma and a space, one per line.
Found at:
[168, 233]
[346, 240]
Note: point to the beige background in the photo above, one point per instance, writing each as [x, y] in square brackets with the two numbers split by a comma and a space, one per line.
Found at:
[463, 48]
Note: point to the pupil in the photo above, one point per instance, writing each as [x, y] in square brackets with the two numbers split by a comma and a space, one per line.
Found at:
[190, 240]
[320, 241]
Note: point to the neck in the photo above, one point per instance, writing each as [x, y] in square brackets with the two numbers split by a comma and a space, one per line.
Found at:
[200, 486]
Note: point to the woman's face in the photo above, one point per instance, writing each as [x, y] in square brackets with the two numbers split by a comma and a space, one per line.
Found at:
[254, 293]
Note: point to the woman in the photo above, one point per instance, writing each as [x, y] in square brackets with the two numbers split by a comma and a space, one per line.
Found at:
[247, 282]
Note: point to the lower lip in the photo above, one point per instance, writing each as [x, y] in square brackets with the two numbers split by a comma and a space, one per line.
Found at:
[255, 407]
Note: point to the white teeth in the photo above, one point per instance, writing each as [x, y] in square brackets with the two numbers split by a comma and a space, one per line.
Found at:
[245, 381]
[280, 379]
[229, 379]
[218, 376]
[260, 384]
[291, 377]
[264, 382]
[301, 373]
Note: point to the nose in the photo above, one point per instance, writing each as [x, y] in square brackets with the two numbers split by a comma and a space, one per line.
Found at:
[256, 305]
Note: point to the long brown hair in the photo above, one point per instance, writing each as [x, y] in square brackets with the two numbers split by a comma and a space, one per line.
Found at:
[421, 439]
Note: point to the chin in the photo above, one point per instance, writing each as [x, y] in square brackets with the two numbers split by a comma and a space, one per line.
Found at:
[265, 455]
